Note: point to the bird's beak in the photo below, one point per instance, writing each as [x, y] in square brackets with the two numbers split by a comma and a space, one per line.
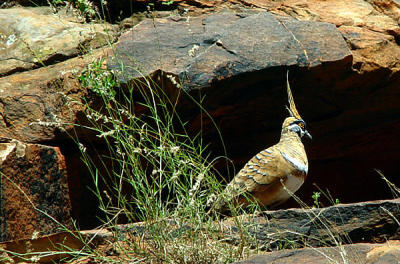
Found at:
[308, 134]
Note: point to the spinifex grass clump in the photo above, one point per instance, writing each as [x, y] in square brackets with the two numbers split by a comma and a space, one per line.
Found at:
[155, 172]
[163, 169]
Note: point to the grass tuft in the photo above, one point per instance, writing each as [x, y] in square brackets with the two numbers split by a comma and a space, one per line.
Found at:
[154, 173]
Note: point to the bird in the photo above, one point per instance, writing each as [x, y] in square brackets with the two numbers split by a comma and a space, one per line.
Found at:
[275, 173]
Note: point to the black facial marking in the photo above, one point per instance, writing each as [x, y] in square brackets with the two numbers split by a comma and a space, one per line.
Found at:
[300, 123]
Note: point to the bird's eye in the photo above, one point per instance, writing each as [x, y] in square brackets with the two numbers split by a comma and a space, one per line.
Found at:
[301, 125]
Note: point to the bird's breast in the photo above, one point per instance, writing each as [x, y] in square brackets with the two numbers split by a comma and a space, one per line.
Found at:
[292, 184]
[298, 164]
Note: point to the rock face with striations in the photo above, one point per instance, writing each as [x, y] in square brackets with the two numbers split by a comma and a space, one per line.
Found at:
[318, 227]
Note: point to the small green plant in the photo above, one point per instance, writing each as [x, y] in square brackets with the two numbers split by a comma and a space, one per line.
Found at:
[99, 80]
[85, 7]
[56, 2]
[167, 3]
[315, 197]
[326, 195]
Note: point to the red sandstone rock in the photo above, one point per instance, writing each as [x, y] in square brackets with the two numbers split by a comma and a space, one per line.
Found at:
[34, 196]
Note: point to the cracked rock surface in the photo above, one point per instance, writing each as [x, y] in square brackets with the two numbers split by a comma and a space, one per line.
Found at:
[35, 37]
[211, 48]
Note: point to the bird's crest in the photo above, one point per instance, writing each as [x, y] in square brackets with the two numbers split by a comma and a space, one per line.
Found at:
[292, 107]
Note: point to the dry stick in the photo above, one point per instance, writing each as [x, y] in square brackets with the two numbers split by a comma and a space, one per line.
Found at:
[298, 41]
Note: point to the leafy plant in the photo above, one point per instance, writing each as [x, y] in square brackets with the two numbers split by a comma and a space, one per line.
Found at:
[315, 197]
[99, 80]
[85, 7]
[167, 2]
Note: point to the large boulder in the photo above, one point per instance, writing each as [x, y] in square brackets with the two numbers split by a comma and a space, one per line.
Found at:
[203, 50]
[35, 37]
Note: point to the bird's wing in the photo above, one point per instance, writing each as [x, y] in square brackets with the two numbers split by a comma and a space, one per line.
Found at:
[260, 172]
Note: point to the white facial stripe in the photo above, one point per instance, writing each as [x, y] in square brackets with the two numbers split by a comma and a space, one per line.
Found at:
[296, 163]
[295, 127]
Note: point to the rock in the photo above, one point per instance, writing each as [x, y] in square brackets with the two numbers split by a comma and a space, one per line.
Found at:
[352, 229]
[373, 24]
[203, 50]
[373, 222]
[34, 192]
[14, 251]
[35, 37]
[388, 252]
[41, 101]
[44, 106]
[38, 105]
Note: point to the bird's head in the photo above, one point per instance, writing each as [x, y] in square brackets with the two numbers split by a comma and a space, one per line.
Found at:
[294, 123]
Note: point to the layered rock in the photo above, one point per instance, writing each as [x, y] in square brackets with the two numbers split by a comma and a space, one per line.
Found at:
[373, 222]
[38, 105]
[356, 253]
